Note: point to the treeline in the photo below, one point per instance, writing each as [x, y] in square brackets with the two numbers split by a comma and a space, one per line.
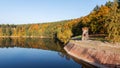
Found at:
[44, 29]
[104, 19]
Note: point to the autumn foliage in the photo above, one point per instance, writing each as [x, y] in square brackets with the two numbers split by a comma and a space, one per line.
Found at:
[104, 19]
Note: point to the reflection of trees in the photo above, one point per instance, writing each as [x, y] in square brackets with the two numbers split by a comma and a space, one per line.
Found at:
[38, 43]
[6, 41]
[46, 44]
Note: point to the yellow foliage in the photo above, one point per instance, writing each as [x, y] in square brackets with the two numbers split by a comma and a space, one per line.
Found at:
[64, 36]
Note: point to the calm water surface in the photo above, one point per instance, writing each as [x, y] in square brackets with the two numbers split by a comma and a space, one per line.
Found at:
[35, 53]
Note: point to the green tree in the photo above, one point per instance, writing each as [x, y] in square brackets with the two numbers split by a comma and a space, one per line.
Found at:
[96, 8]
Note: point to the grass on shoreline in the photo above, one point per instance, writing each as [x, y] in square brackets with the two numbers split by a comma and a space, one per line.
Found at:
[91, 37]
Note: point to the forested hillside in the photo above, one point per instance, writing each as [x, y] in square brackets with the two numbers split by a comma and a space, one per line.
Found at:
[44, 29]
[104, 19]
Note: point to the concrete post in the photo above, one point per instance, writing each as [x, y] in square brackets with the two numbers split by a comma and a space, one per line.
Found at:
[85, 35]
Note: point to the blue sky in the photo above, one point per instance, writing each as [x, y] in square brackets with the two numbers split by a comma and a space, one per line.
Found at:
[37, 11]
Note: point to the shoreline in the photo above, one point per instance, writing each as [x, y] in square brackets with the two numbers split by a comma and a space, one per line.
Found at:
[24, 37]
[94, 53]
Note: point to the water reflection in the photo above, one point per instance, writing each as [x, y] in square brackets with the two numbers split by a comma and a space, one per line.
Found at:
[38, 43]
[42, 45]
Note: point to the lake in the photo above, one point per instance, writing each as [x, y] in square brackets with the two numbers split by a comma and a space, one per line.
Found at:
[36, 53]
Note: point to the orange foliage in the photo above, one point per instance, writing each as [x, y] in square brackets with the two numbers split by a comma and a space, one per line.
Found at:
[34, 27]
[103, 10]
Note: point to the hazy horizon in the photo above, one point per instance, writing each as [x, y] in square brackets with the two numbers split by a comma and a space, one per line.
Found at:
[40, 11]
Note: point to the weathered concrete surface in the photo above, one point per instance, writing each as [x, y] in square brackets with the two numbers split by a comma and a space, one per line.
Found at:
[95, 52]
